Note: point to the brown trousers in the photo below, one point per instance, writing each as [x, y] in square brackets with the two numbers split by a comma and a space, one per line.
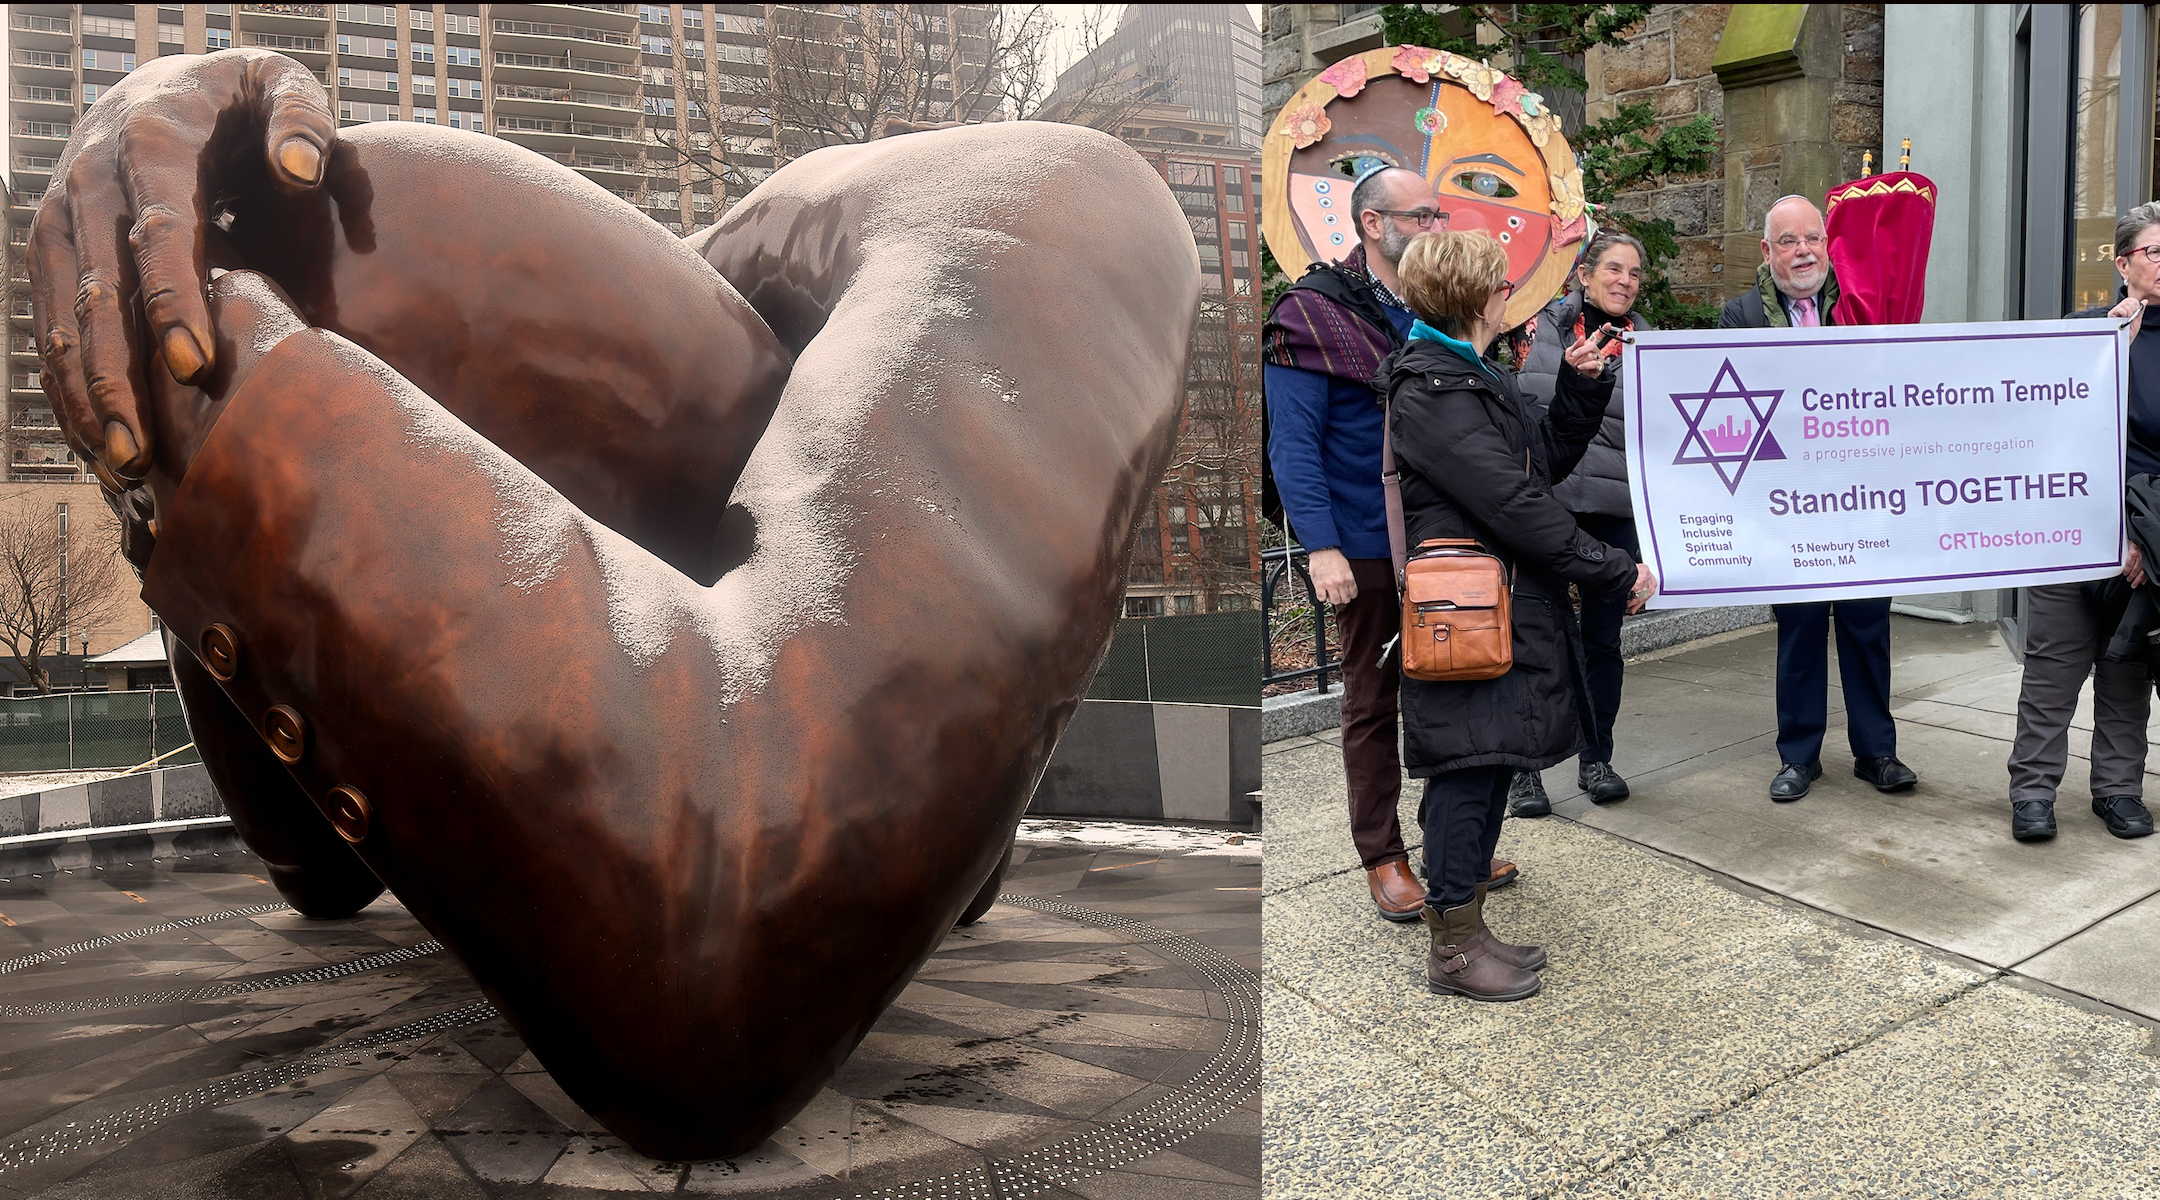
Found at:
[1370, 756]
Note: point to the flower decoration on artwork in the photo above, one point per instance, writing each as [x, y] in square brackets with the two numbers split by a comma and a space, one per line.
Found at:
[1430, 121]
[1346, 77]
[1480, 78]
[1567, 195]
[1506, 98]
[1416, 63]
[1306, 124]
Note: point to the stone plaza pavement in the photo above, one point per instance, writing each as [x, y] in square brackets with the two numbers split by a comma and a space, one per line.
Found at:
[168, 1028]
[1851, 995]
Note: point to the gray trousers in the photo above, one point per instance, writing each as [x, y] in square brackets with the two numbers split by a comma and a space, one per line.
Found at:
[2062, 648]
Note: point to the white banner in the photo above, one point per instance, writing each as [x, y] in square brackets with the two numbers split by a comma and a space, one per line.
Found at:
[1785, 465]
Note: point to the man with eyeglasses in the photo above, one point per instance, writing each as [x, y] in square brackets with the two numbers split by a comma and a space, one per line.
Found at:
[1795, 289]
[1322, 344]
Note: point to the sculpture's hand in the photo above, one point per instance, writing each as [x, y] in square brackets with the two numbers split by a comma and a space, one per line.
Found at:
[130, 203]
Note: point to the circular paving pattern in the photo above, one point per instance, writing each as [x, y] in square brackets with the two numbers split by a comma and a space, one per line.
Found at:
[1058, 1048]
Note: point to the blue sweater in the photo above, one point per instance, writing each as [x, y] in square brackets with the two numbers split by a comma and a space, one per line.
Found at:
[1324, 447]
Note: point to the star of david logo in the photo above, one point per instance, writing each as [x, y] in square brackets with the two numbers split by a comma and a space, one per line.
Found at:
[1741, 437]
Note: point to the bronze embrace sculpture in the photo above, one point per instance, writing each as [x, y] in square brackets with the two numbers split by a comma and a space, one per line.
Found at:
[681, 654]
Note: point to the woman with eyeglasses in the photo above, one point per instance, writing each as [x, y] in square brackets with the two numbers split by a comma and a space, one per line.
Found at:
[2068, 625]
[1475, 463]
[1607, 280]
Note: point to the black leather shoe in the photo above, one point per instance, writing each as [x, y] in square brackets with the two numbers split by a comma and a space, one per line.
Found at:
[1792, 780]
[1602, 782]
[2126, 816]
[1886, 773]
[1526, 796]
[2032, 820]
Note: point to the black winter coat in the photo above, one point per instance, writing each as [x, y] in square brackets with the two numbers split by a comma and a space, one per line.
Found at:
[1475, 464]
[1599, 483]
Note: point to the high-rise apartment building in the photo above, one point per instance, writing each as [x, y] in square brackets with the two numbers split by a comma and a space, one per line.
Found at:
[1198, 548]
[1206, 58]
[674, 107]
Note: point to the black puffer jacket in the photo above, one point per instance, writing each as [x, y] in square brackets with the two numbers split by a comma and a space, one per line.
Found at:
[1462, 442]
[1599, 483]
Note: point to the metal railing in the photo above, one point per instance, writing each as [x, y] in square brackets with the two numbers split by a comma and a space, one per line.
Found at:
[517, 91]
[1303, 623]
[91, 730]
[591, 66]
[283, 41]
[55, 60]
[36, 24]
[580, 33]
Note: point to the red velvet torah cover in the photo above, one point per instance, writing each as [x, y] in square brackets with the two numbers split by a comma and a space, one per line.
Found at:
[1879, 230]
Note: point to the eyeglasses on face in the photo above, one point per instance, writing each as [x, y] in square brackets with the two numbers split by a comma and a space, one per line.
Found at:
[1793, 241]
[2151, 253]
[1423, 216]
[1506, 289]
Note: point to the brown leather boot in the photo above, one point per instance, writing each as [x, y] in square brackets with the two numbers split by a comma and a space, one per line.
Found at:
[1464, 961]
[1529, 958]
[1499, 873]
[1395, 891]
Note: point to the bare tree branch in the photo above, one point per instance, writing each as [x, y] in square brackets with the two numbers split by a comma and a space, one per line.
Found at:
[45, 598]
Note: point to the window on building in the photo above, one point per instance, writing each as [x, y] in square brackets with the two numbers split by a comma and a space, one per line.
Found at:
[653, 14]
[2092, 167]
[458, 120]
[462, 56]
[170, 35]
[1143, 606]
[693, 49]
[457, 24]
[735, 23]
[367, 14]
[107, 60]
[366, 47]
[423, 52]
[423, 85]
[656, 45]
[421, 18]
[112, 27]
[349, 111]
[660, 106]
[731, 52]
[384, 81]
[90, 94]
[218, 39]
[1230, 176]
[1186, 605]
[693, 109]
[425, 116]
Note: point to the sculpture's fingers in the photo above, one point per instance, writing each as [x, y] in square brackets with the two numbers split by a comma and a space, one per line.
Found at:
[105, 312]
[297, 126]
[166, 240]
[54, 278]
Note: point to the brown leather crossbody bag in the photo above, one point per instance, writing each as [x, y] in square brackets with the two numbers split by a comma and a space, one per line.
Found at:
[1457, 615]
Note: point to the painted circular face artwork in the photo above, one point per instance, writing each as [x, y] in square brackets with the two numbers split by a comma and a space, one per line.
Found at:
[1491, 149]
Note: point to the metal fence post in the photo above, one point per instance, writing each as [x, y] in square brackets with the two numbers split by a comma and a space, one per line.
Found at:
[1147, 663]
[70, 701]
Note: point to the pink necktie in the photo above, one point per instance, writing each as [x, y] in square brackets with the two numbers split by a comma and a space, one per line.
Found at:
[1804, 313]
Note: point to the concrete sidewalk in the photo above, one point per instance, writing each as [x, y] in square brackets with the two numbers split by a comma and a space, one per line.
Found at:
[1855, 994]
